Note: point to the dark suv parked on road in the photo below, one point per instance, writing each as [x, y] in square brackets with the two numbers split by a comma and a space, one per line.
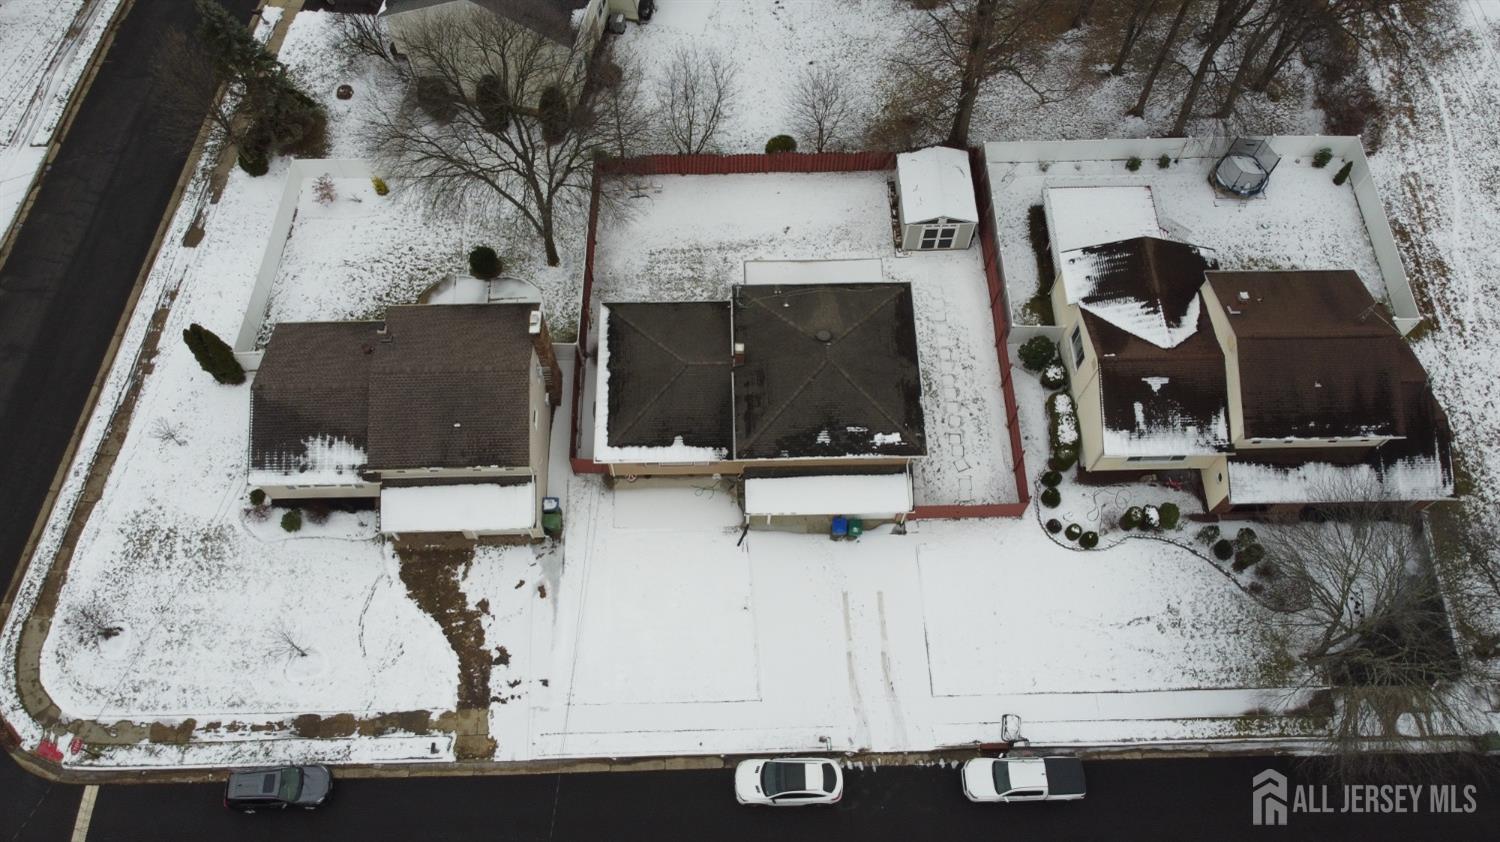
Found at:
[278, 789]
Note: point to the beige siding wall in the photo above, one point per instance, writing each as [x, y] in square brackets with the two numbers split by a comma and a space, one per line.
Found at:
[1083, 381]
[541, 437]
[735, 468]
[1215, 479]
[629, 8]
[320, 492]
[1230, 346]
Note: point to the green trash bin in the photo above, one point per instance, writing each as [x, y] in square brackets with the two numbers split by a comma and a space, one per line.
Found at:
[551, 516]
[856, 527]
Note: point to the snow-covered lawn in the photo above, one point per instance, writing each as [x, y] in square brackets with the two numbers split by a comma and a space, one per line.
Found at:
[1302, 221]
[687, 238]
[355, 255]
[892, 642]
[211, 603]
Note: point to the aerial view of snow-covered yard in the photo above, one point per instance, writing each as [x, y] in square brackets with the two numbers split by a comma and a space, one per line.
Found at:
[198, 624]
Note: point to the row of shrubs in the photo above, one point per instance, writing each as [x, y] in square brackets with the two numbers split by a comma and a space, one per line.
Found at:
[313, 511]
[1245, 549]
[1151, 518]
[1088, 539]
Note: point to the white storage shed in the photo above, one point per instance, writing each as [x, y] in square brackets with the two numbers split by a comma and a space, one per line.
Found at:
[935, 199]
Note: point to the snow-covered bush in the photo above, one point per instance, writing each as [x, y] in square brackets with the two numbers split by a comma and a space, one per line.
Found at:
[1051, 497]
[1133, 163]
[1150, 518]
[1164, 161]
[292, 520]
[1343, 174]
[1321, 159]
[1054, 526]
[317, 511]
[1131, 518]
[1054, 376]
[257, 497]
[1062, 428]
[1223, 550]
[1244, 538]
[1088, 540]
[1037, 353]
[1209, 534]
[1051, 478]
[1073, 532]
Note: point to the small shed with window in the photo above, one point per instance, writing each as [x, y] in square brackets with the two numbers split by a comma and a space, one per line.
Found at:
[935, 199]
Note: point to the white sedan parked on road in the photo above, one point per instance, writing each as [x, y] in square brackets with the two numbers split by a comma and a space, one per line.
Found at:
[789, 781]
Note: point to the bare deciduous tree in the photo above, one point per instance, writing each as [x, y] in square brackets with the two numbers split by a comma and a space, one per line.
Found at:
[286, 645]
[625, 118]
[697, 91]
[820, 109]
[1353, 593]
[1163, 52]
[167, 432]
[92, 622]
[492, 145]
[1228, 17]
[962, 44]
[1134, 15]
[363, 35]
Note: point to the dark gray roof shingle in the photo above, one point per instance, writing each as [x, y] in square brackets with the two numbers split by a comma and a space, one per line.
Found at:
[669, 374]
[830, 370]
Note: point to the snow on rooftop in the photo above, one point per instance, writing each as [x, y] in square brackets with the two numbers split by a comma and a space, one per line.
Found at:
[859, 271]
[677, 452]
[1186, 439]
[1078, 217]
[833, 494]
[479, 507]
[1145, 319]
[1321, 482]
[935, 182]
[324, 461]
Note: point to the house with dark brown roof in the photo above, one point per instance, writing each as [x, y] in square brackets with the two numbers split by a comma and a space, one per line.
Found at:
[1147, 375]
[442, 412]
[1279, 389]
[1327, 401]
[781, 381]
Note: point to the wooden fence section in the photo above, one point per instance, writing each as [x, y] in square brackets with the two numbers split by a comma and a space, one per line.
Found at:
[820, 162]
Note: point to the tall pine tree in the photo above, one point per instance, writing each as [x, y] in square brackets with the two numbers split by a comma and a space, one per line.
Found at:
[213, 354]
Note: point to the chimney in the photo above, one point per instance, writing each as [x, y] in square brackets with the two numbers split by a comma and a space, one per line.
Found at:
[739, 354]
[541, 342]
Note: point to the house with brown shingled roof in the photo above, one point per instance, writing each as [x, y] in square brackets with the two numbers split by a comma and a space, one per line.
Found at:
[441, 413]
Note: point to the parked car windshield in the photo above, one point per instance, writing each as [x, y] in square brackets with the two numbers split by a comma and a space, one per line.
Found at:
[291, 785]
[1002, 778]
[828, 777]
[776, 778]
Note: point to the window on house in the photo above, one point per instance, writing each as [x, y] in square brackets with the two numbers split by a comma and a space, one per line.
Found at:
[533, 419]
[1077, 341]
[1155, 458]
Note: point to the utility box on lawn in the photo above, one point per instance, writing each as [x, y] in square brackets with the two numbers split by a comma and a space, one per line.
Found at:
[552, 520]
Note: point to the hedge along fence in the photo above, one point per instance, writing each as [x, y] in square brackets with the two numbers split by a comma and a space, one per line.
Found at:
[818, 162]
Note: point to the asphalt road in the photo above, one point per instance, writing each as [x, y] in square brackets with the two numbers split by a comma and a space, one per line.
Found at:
[1153, 799]
[65, 284]
[34, 808]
